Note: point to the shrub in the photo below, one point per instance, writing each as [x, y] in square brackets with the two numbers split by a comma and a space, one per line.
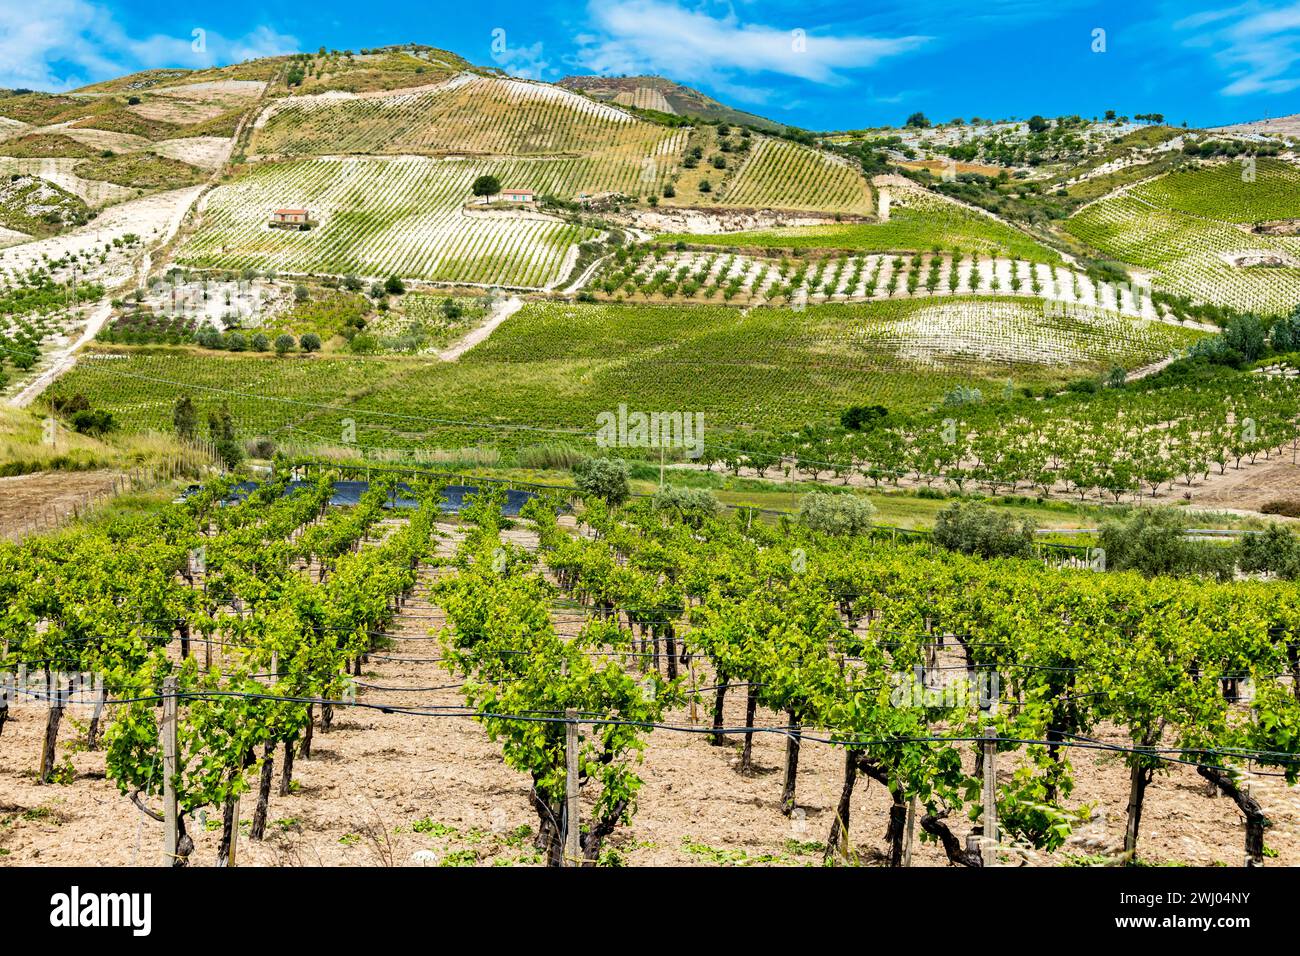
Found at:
[692, 506]
[855, 418]
[975, 528]
[1275, 550]
[393, 285]
[310, 342]
[604, 478]
[260, 448]
[838, 514]
[93, 422]
[284, 343]
[260, 342]
[1287, 508]
[1152, 541]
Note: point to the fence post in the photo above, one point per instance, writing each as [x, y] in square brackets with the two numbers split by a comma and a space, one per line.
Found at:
[572, 829]
[989, 845]
[911, 829]
[170, 813]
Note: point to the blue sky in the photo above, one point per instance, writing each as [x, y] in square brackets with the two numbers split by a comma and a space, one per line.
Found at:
[821, 64]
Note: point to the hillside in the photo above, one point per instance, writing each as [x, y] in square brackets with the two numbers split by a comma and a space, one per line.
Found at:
[431, 466]
[1203, 231]
[664, 96]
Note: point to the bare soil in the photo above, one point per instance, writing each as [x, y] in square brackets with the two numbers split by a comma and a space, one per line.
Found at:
[41, 500]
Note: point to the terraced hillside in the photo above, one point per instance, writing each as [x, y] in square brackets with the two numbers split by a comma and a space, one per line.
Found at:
[466, 114]
[554, 365]
[781, 174]
[659, 273]
[1197, 231]
[401, 215]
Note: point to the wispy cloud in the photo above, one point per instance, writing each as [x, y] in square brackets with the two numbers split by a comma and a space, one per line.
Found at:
[528, 62]
[690, 44]
[1257, 44]
[63, 44]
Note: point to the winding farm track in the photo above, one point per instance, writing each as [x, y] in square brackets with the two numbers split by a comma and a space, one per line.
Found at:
[64, 358]
[500, 312]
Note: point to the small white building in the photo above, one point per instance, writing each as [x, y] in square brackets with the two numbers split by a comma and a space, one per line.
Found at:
[518, 195]
[291, 218]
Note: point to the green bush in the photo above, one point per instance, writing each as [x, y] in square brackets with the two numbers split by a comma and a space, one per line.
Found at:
[975, 528]
[1152, 541]
[838, 514]
[1274, 551]
[604, 478]
[692, 506]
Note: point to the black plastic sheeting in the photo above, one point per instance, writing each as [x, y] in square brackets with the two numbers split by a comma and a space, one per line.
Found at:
[350, 492]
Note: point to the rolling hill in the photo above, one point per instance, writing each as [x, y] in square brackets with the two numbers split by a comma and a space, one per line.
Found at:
[664, 96]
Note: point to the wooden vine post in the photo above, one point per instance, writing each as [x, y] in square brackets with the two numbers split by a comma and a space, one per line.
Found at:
[572, 829]
[171, 817]
[989, 845]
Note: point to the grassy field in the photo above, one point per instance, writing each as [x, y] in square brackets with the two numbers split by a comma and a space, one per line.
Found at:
[140, 171]
[559, 366]
[1192, 229]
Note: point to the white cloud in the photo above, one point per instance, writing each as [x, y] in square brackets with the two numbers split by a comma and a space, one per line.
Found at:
[1256, 43]
[63, 44]
[527, 62]
[662, 36]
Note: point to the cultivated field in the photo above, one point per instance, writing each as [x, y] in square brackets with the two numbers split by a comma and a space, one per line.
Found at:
[559, 366]
[916, 221]
[399, 216]
[784, 175]
[1194, 230]
[472, 114]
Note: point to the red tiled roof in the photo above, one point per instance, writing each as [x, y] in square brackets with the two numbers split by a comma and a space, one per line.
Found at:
[291, 212]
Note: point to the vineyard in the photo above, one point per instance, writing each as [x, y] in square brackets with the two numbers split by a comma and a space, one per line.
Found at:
[380, 217]
[553, 366]
[658, 274]
[989, 699]
[783, 175]
[1194, 229]
[468, 114]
